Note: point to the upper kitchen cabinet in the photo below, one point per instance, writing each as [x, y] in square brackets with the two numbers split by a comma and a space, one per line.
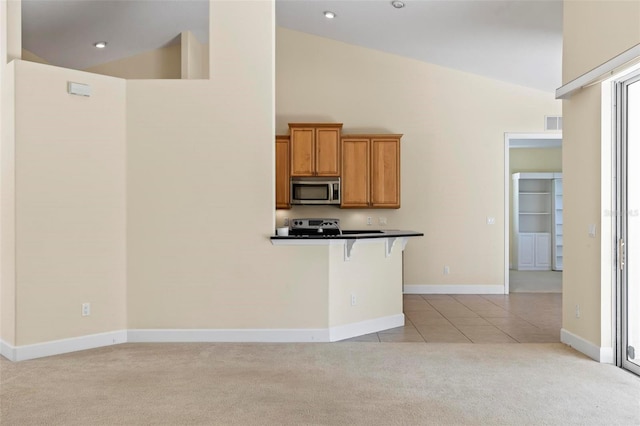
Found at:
[283, 200]
[356, 175]
[371, 171]
[315, 149]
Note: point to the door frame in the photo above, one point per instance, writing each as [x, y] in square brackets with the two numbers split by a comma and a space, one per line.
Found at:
[621, 320]
[520, 140]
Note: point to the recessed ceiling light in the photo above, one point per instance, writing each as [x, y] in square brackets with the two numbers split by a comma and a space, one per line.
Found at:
[329, 15]
[100, 44]
[397, 4]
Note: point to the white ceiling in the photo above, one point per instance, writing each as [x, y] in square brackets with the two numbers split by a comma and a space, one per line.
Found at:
[515, 41]
[518, 41]
[63, 31]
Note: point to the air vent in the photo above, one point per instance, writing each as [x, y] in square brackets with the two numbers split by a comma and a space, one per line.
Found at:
[553, 122]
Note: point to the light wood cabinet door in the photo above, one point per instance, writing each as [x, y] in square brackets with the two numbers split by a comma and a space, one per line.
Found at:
[385, 172]
[283, 200]
[302, 151]
[327, 151]
[315, 149]
[355, 173]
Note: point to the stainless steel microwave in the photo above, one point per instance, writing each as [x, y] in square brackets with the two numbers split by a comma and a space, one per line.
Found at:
[315, 190]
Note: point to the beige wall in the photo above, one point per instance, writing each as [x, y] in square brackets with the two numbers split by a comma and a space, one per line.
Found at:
[32, 57]
[452, 150]
[163, 63]
[7, 204]
[195, 57]
[199, 199]
[594, 32]
[198, 253]
[200, 194]
[374, 279]
[70, 204]
[535, 160]
[530, 160]
[13, 29]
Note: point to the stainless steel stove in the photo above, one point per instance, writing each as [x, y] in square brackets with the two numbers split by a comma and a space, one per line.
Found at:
[315, 227]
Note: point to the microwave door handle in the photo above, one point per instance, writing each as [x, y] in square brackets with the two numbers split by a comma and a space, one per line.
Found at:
[330, 185]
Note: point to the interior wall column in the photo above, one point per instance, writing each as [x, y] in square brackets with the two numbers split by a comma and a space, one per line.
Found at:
[13, 29]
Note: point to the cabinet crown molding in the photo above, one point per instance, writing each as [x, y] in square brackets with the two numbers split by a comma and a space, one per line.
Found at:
[315, 125]
[371, 135]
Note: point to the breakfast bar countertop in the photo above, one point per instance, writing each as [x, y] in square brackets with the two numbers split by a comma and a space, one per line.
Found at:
[348, 234]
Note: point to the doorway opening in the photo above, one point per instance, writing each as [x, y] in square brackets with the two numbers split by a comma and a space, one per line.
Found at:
[533, 213]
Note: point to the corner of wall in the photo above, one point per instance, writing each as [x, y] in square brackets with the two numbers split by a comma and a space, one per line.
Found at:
[7, 207]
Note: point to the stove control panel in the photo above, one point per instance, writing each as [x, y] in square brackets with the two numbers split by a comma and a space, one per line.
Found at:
[315, 223]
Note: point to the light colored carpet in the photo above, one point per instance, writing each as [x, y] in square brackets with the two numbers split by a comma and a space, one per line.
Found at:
[535, 281]
[319, 384]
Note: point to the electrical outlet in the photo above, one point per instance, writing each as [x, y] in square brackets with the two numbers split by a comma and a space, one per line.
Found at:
[286, 221]
[491, 220]
[382, 220]
[445, 271]
[86, 309]
[353, 299]
[368, 220]
[578, 311]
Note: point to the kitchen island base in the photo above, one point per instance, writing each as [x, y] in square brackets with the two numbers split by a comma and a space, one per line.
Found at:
[363, 284]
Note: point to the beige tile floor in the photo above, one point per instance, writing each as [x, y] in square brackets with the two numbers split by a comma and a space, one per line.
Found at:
[513, 318]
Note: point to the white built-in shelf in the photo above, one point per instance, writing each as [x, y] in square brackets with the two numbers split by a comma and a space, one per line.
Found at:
[537, 220]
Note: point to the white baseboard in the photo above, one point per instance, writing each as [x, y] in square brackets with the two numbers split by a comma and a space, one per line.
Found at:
[348, 331]
[228, 335]
[453, 289]
[8, 351]
[63, 346]
[57, 347]
[266, 335]
[597, 353]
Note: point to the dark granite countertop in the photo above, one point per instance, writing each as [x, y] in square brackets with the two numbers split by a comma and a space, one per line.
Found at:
[348, 234]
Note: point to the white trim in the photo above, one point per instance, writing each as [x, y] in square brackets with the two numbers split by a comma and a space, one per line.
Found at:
[454, 289]
[555, 142]
[57, 347]
[599, 73]
[361, 328]
[8, 351]
[606, 355]
[608, 221]
[63, 346]
[505, 200]
[266, 335]
[597, 353]
[228, 335]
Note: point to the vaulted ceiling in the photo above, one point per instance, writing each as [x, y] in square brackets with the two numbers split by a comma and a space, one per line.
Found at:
[518, 41]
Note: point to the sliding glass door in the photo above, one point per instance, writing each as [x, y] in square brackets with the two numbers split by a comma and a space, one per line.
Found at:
[628, 111]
